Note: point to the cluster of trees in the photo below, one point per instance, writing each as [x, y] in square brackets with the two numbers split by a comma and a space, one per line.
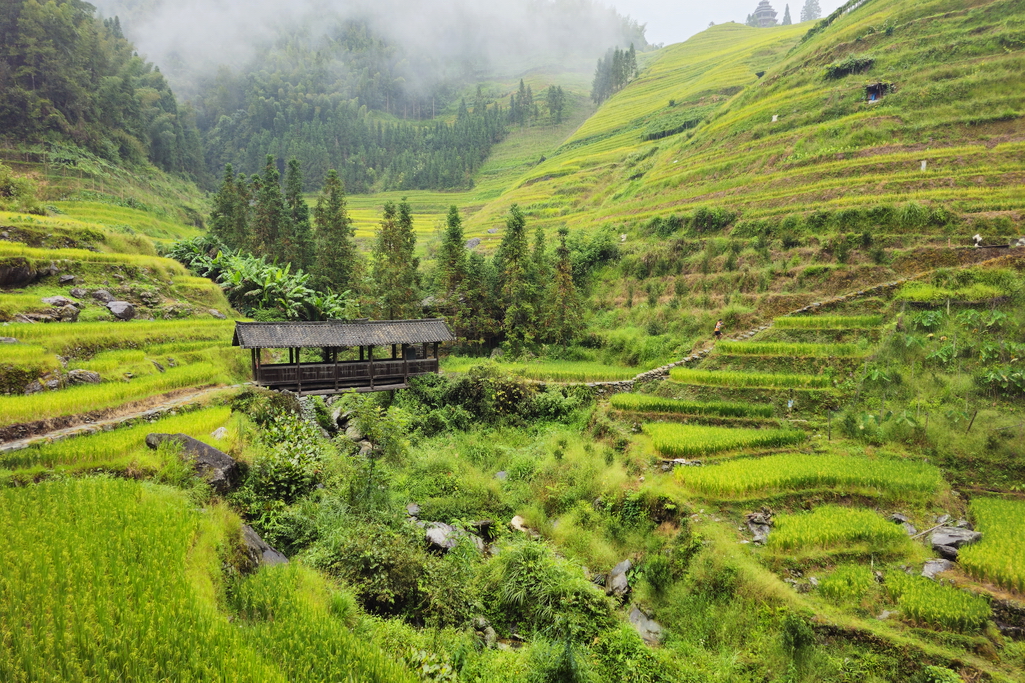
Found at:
[613, 72]
[67, 75]
[523, 108]
[525, 294]
[811, 11]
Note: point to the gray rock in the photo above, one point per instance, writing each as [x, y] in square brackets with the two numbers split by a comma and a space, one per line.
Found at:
[365, 449]
[58, 301]
[413, 510]
[53, 384]
[84, 377]
[473, 243]
[759, 524]
[649, 629]
[444, 537]
[68, 314]
[946, 552]
[103, 296]
[258, 552]
[66, 279]
[885, 614]
[220, 433]
[910, 529]
[218, 468]
[934, 567]
[501, 476]
[943, 519]
[78, 292]
[33, 388]
[954, 537]
[490, 638]
[18, 275]
[217, 314]
[122, 310]
[8, 340]
[898, 518]
[158, 366]
[492, 231]
[618, 585]
[353, 433]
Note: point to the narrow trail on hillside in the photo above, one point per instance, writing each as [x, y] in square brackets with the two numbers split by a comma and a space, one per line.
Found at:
[92, 423]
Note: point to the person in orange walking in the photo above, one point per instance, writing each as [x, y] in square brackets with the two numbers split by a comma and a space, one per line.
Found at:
[718, 330]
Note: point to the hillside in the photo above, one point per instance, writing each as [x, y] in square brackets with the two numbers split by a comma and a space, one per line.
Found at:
[956, 103]
[594, 488]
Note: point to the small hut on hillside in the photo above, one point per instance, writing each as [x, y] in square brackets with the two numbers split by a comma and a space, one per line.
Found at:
[413, 351]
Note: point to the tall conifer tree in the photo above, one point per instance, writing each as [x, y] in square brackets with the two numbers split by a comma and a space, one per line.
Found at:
[514, 273]
[787, 21]
[270, 219]
[811, 10]
[298, 248]
[229, 221]
[335, 264]
[563, 319]
[395, 266]
[452, 259]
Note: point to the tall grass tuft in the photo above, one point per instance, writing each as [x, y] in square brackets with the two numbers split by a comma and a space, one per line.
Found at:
[829, 322]
[923, 601]
[830, 526]
[791, 349]
[1000, 556]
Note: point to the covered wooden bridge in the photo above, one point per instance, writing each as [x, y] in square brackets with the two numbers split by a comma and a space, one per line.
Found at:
[410, 348]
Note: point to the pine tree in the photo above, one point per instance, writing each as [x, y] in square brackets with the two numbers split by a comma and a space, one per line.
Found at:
[230, 217]
[513, 262]
[335, 265]
[811, 10]
[555, 100]
[270, 220]
[563, 318]
[540, 276]
[298, 247]
[395, 267]
[452, 257]
[787, 21]
[479, 320]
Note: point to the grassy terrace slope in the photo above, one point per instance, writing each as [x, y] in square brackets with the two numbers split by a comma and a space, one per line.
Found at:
[957, 69]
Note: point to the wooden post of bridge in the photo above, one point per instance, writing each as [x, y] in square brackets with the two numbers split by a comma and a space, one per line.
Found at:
[336, 369]
[370, 359]
[405, 366]
[298, 372]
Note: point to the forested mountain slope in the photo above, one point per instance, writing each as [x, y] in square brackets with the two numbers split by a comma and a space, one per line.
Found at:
[804, 136]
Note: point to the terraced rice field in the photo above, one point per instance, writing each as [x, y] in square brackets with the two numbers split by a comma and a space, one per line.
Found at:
[798, 472]
[643, 403]
[726, 378]
[1000, 555]
[84, 339]
[677, 440]
[831, 526]
[552, 371]
[829, 322]
[117, 449]
[925, 602]
[73, 608]
[792, 349]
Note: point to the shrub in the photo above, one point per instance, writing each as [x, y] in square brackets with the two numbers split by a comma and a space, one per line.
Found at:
[854, 64]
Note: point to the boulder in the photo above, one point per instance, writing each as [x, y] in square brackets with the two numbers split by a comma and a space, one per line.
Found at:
[220, 433]
[258, 552]
[158, 366]
[934, 567]
[484, 528]
[84, 377]
[353, 433]
[219, 469]
[68, 314]
[78, 292]
[217, 314]
[618, 584]
[473, 243]
[443, 537]
[58, 301]
[760, 524]
[66, 279]
[649, 629]
[33, 388]
[122, 310]
[18, 273]
[954, 537]
[946, 552]
[520, 524]
[413, 510]
[103, 296]
[8, 340]
[502, 475]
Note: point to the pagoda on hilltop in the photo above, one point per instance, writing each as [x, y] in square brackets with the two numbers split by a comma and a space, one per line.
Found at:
[765, 16]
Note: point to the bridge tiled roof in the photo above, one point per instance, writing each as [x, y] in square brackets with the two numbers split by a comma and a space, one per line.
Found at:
[338, 333]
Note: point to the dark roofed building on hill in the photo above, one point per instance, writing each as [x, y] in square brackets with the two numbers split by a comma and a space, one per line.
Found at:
[413, 351]
[765, 15]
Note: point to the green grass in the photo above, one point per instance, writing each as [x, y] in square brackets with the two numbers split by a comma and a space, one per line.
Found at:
[166, 267]
[98, 397]
[925, 292]
[13, 304]
[726, 378]
[84, 339]
[118, 449]
[126, 592]
[552, 371]
[27, 356]
[831, 526]
[694, 440]
[928, 603]
[1000, 555]
[829, 322]
[796, 472]
[791, 349]
[643, 403]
